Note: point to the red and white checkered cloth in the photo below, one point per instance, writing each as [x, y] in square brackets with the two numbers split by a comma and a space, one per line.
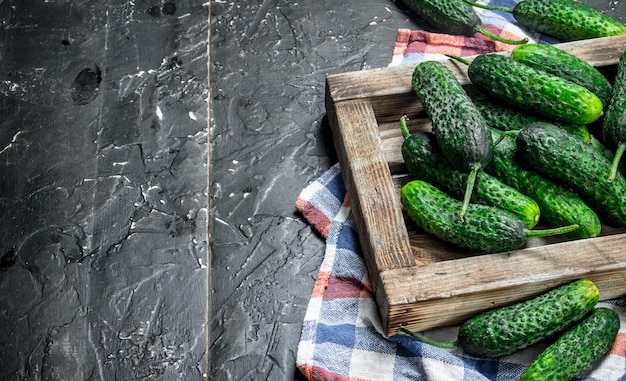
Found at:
[414, 46]
[342, 337]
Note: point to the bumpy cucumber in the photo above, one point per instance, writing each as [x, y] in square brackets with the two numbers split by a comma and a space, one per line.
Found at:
[425, 161]
[533, 90]
[461, 131]
[453, 17]
[503, 331]
[485, 229]
[614, 125]
[565, 65]
[576, 349]
[579, 166]
[506, 330]
[558, 205]
[565, 20]
[505, 118]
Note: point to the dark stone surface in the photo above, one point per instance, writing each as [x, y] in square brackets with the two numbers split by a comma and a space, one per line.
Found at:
[104, 191]
[269, 139]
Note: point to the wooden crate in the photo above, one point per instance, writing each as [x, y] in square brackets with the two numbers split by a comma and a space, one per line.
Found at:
[421, 282]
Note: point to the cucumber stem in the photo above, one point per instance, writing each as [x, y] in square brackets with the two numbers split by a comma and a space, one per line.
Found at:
[405, 130]
[489, 7]
[616, 159]
[457, 58]
[487, 33]
[469, 187]
[550, 232]
[439, 344]
[504, 134]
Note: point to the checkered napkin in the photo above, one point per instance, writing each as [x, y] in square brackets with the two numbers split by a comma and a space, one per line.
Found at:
[342, 338]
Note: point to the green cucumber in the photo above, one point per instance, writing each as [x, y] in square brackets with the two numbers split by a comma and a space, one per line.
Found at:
[505, 118]
[614, 125]
[425, 161]
[565, 20]
[563, 158]
[576, 349]
[565, 65]
[461, 131]
[485, 229]
[506, 330]
[558, 205]
[532, 90]
[453, 17]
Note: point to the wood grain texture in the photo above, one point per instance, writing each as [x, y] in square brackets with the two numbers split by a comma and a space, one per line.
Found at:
[449, 292]
[373, 196]
[420, 281]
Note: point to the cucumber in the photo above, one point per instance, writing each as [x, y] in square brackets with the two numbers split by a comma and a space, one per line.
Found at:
[579, 166]
[503, 331]
[485, 229]
[425, 161]
[453, 17]
[506, 330]
[614, 124]
[576, 349]
[558, 206]
[565, 20]
[565, 65]
[506, 118]
[461, 131]
[532, 90]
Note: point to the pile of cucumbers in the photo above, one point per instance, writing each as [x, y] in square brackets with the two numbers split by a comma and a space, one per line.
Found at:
[579, 330]
[540, 144]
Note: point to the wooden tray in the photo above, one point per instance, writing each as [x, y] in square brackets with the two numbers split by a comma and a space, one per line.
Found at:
[421, 282]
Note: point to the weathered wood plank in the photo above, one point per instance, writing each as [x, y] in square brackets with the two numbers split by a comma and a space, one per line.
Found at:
[373, 196]
[451, 291]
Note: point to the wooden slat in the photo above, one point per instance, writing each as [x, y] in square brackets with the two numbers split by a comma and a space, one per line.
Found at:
[373, 197]
[451, 291]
